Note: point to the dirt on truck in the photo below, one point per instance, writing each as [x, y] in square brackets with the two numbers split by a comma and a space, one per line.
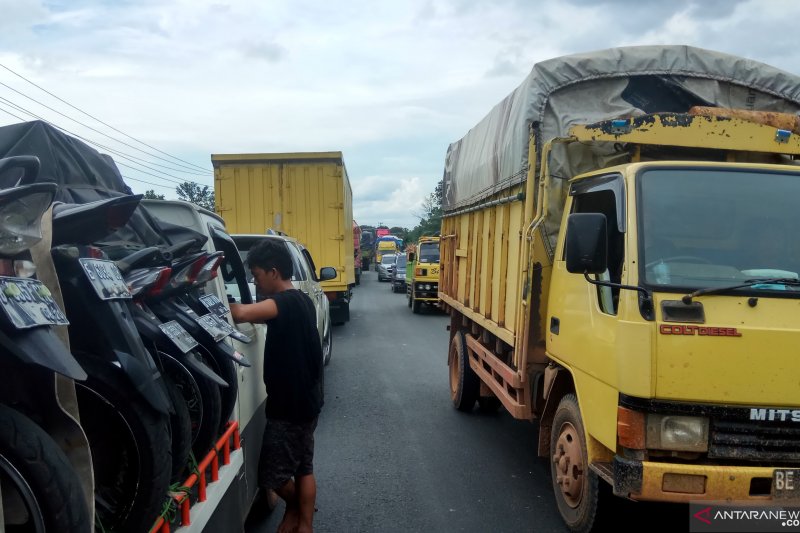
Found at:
[616, 265]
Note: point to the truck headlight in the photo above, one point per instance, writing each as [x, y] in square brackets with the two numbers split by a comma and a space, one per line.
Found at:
[427, 286]
[678, 433]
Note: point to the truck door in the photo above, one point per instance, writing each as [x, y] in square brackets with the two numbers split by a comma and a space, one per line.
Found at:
[583, 318]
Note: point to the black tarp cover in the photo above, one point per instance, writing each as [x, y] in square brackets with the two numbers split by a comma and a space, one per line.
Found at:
[85, 175]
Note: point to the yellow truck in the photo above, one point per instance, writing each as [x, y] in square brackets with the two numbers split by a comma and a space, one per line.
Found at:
[305, 195]
[423, 285]
[619, 264]
[385, 246]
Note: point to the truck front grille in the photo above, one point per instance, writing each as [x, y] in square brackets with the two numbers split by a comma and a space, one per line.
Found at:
[754, 441]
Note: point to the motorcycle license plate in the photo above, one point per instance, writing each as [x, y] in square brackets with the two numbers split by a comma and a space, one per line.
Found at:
[215, 326]
[214, 304]
[179, 336]
[28, 303]
[106, 279]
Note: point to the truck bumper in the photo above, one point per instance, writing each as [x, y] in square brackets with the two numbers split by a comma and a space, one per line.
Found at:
[675, 482]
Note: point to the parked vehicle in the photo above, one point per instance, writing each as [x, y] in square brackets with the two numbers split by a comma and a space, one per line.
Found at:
[423, 287]
[398, 276]
[304, 278]
[314, 205]
[42, 448]
[386, 267]
[611, 276]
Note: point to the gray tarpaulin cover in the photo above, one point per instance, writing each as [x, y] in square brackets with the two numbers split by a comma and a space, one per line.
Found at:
[587, 88]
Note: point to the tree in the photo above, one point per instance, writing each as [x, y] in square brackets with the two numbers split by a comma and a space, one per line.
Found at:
[150, 194]
[398, 231]
[199, 195]
[430, 222]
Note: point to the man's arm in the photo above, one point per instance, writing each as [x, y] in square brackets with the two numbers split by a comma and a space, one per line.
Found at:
[258, 312]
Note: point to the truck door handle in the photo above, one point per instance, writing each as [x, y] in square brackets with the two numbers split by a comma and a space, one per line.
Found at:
[555, 325]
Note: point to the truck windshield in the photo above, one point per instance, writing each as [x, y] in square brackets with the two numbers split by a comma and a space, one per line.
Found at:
[706, 228]
[429, 253]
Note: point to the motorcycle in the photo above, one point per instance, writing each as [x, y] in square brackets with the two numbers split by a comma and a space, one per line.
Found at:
[124, 403]
[41, 490]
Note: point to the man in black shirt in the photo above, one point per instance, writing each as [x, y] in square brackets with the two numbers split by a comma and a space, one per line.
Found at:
[293, 376]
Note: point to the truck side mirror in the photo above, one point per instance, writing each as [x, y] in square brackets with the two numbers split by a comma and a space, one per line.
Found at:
[587, 243]
[327, 273]
[411, 256]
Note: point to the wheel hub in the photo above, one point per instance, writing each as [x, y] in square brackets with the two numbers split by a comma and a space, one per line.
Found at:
[453, 363]
[568, 464]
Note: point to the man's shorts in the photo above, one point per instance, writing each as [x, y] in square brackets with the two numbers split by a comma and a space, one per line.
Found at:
[287, 451]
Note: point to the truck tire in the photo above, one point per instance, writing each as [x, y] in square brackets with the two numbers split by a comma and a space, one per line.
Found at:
[416, 306]
[38, 477]
[131, 449]
[575, 485]
[180, 424]
[409, 298]
[465, 385]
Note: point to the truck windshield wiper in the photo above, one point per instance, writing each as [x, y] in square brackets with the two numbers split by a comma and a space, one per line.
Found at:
[746, 283]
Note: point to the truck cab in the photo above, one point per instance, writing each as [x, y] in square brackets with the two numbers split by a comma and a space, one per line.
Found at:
[423, 286]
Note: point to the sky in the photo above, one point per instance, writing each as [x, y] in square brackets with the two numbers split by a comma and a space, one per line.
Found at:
[389, 84]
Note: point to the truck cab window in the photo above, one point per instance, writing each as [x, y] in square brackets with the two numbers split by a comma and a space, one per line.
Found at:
[604, 201]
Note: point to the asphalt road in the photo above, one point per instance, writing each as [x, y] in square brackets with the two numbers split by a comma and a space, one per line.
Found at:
[393, 455]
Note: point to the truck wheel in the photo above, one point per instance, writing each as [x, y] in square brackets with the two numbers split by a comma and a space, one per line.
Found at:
[575, 485]
[464, 383]
[409, 298]
[41, 491]
[416, 305]
[131, 450]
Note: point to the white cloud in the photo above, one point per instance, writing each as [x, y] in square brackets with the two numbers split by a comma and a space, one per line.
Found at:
[389, 84]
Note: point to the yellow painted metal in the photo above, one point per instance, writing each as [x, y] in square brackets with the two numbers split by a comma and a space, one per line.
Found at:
[385, 247]
[426, 272]
[667, 129]
[305, 195]
[723, 483]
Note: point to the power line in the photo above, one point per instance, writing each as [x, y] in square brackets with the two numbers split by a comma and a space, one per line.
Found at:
[148, 182]
[120, 154]
[12, 114]
[190, 171]
[100, 121]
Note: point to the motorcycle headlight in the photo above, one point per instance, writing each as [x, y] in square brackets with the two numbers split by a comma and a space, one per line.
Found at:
[21, 211]
[678, 433]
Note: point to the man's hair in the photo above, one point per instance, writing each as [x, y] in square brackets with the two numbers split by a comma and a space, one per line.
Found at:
[271, 253]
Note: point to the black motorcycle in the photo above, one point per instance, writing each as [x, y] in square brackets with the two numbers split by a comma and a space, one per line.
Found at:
[125, 403]
[41, 490]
